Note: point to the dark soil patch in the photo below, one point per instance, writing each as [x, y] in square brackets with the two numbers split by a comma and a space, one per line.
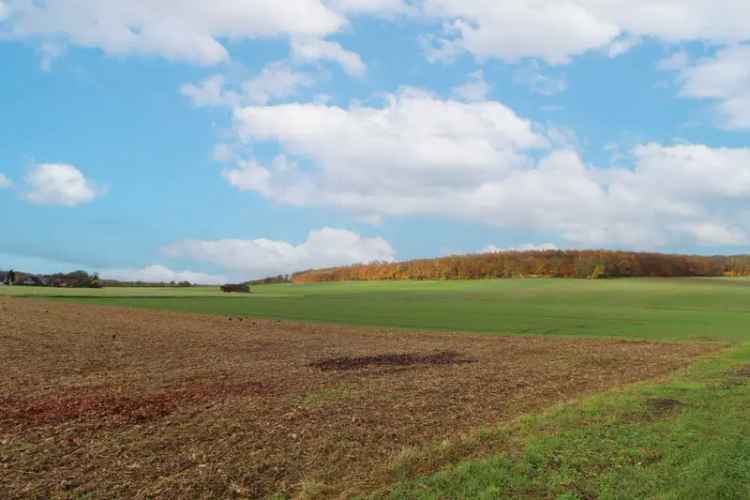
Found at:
[398, 360]
[100, 408]
[661, 407]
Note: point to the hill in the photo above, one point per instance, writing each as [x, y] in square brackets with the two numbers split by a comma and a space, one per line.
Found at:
[548, 263]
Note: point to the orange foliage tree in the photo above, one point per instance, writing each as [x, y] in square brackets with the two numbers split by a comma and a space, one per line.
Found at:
[548, 263]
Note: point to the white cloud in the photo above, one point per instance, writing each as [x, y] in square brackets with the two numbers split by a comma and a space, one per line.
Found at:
[277, 81]
[421, 155]
[556, 31]
[50, 51]
[476, 89]
[707, 233]
[528, 247]
[677, 61]
[161, 274]
[223, 153]
[5, 183]
[59, 184]
[210, 93]
[252, 259]
[184, 30]
[513, 30]
[532, 77]
[397, 159]
[4, 11]
[439, 49]
[622, 45]
[194, 30]
[381, 7]
[724, 78]
[283, 181]
[308, 50]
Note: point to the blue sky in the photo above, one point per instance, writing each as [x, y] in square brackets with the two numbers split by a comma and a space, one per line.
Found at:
[151, 140]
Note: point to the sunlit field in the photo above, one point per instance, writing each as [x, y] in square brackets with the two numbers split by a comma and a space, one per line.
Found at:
[539, 388]
[657, 309]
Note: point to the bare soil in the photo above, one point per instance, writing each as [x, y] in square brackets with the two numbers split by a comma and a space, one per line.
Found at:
[116, 403]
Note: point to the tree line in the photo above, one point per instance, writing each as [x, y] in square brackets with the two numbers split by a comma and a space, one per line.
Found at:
[592, 264]
[272, 280]
[146, 284]
[76, 279]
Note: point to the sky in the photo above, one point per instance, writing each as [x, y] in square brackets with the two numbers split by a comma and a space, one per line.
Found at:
[236, 139]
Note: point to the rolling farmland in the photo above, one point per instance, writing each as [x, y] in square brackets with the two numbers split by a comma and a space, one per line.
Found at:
[521, 388]
[655, 309]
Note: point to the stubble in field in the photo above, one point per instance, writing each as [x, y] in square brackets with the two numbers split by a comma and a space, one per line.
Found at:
[134, 403]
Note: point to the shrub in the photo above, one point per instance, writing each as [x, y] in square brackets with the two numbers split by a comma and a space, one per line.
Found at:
[240, 288]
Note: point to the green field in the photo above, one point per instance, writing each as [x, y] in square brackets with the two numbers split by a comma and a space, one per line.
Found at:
[687, 436]
[657, 309]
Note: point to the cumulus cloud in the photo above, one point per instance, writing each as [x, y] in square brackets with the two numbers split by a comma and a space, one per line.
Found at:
[258, 258]
[395, 159]
[283, 181]
[308, 50]
[210, 92]
[276, 81]
[527, 247]
[622, 45]
[379, 7]
[476, 89]
[194, 30]
[5, 183]
[723, 78]
[534, 78]
[59, 184]
[557, 31]
[184, 30]
[551, 30]
[161, 274]
[418, 154]
[677, 61]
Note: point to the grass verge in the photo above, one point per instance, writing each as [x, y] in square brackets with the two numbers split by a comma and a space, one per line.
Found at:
[687, 437]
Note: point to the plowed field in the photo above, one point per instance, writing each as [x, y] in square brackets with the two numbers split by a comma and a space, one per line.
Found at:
[135, 403]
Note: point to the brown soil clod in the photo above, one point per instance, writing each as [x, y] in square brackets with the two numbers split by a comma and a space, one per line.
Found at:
[398, 360]
[736, 377]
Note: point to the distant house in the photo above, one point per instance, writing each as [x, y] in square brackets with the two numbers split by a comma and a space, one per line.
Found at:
[32, 280]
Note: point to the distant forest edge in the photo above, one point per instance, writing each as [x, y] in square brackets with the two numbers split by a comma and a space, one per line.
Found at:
[592, 264]
[76, 279]
[82, 279]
